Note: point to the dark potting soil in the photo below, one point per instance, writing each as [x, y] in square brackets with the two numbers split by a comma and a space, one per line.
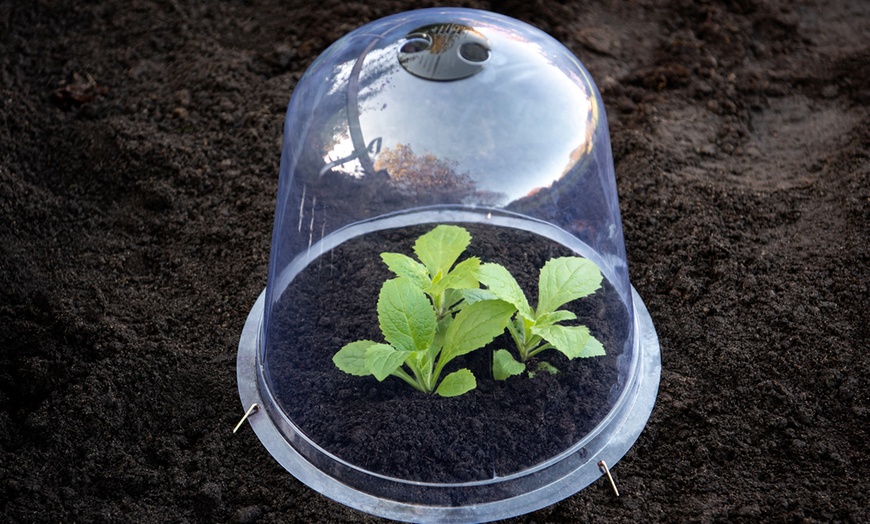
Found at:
[499, 428]
[139, 151]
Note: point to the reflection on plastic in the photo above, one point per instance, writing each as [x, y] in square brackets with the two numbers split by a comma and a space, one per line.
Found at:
[515, 128]
[444, 52]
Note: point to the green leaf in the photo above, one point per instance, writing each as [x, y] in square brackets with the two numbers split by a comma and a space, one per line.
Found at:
[504, 365]
[382, 360]
[352, 358]
[418, 362]
[565, 279]
[406, 316]
[593, 348]
[476, 295]
[457, 383]
[463, 276]
[452, 297]
[500, 282]
[474, 327]
[570, 340]
[438, 342]
[439, 248]
[405, 266]
[549, 368]
[554, 318]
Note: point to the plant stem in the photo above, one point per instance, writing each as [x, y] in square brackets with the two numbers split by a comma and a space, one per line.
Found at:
[430, 379]
[438, 369]
[440, 306]
[410, 380]
[538, 349]
[516, 336]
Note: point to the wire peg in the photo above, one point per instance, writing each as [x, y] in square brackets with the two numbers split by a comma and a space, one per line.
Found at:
[251, 410]
[602, 466]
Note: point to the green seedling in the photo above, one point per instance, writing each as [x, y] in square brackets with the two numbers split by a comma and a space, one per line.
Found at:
[535, 330]
[435, 273]
[424, 319]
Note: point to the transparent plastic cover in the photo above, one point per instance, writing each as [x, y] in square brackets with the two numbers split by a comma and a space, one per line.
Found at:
[442, 117]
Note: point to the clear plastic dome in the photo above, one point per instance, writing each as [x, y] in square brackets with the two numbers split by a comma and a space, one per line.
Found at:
[486, 128]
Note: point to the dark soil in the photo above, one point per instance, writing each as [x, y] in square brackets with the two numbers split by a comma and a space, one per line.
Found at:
[499, 428]
[139, 150]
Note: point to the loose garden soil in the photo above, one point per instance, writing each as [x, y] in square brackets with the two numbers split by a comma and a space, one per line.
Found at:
[139, 150]
[500, 428]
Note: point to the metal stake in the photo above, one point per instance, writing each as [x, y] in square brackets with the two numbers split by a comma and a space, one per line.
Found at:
[602, 466]
[254, 407]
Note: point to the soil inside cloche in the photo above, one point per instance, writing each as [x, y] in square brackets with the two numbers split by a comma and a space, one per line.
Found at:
[497, 429]
[139, 151]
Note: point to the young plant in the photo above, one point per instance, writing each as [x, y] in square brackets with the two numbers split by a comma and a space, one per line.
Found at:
[435, 274]
[535, 330]
[421, 319]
